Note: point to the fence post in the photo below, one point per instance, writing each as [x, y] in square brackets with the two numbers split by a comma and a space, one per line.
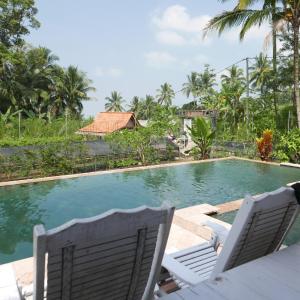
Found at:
[19, 124]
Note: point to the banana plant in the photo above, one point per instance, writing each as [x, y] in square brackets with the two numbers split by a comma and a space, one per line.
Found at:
[8, 115]
[202, 135]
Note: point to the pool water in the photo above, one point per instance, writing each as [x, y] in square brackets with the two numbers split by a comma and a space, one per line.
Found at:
[55, 202]
[293, 234]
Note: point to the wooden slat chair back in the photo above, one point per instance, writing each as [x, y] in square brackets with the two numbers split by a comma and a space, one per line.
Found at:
[258, 229]
[116, 255]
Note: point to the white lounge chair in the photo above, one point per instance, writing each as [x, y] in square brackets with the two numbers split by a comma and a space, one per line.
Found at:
[116, 255]
[259, 229]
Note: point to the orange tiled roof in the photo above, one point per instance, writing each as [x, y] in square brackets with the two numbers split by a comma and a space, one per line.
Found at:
[107, 122]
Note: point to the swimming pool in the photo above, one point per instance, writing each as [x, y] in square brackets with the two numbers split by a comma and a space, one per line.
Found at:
[55, 202]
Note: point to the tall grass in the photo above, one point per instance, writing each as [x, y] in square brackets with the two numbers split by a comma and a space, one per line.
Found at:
[35, 131]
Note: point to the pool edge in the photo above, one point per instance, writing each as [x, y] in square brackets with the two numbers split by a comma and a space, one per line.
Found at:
[140, 168]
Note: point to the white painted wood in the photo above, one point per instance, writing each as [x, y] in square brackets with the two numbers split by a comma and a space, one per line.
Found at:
[259, 229]
[193, 265]
[115, 255]
[271, 214]
[39, 252]
[272, 277]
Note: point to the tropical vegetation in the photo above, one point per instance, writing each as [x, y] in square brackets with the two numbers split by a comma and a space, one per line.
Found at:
[41, 102]
[202, 135]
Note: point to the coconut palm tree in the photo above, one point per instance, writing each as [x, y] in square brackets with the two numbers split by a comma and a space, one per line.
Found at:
[207, 79]
[165, 94]
[233, 87]
[234, 75]
[114, 102]
[149, 106]
[135, 106]
[260, 74]
[72, 89]
[246, 17]
[290, 13]
[192, 86]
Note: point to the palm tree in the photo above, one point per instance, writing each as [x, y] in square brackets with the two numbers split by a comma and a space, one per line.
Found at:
[73, 88]
[291, 14]
[114, 102]
[149, 105]
[207, 79]
[260, 73]
[192, 86]
[235, 75]
[233, 87]
[233, 107]
[243, 15]
[135, 106]
[165, 94]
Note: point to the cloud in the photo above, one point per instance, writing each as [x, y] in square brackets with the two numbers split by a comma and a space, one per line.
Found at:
[109, 72]
[177, 18]
[170, 38]
[159, 59]
[255, 33]
[175, 26]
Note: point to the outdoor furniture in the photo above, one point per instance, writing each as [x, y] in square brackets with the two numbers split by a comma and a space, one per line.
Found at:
[116, 255]
[275, 276]
[190, 266]
[258, 230]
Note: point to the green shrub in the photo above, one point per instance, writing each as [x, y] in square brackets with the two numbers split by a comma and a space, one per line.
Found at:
[288, 148]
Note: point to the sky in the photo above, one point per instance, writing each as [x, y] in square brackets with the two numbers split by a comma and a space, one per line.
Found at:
[134, 46]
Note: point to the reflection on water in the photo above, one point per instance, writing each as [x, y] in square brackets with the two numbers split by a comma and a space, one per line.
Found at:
[56, 202]
[154, 178]
[19, 211]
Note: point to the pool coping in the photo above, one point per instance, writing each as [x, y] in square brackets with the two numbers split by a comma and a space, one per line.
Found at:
[131, 169]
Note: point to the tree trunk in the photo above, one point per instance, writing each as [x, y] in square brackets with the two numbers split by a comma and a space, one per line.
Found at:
[296, 69]
[274, 38]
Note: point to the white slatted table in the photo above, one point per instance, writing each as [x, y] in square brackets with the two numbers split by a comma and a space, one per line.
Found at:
[273, 277]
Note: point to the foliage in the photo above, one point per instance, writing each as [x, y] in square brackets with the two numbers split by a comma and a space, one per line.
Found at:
[288, 148]
[33, 83]
[15, 19]
[35, 131]
[53, 159]
[139, 142]
[114, 102]
[202, 135]
[165, 94]
[200, 85]
[265, 144]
